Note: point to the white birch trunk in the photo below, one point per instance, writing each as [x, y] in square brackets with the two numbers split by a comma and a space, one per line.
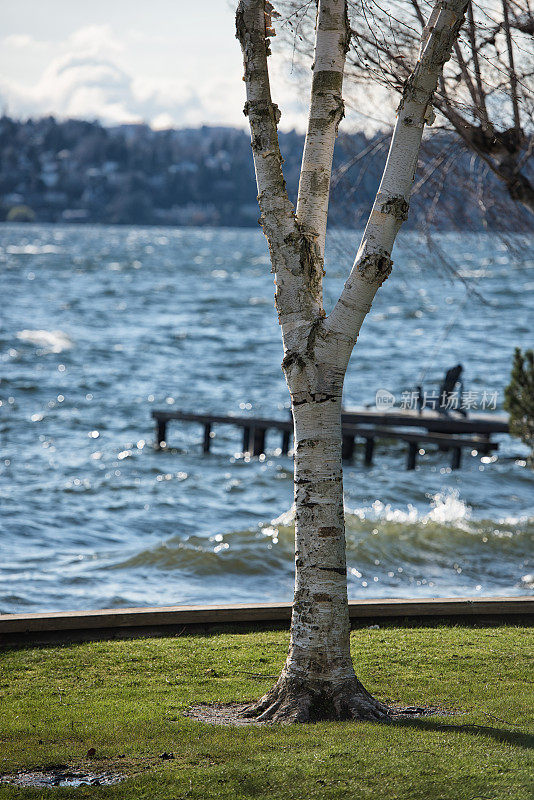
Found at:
[318, 679]
[326, 112]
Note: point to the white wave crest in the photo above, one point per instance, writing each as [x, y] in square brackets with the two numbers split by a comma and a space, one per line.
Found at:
[286, 519]
[444, 508]
[448, 508]
[51, 341]
[32, 249]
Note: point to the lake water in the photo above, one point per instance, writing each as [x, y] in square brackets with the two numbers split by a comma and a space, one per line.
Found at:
[101, 325]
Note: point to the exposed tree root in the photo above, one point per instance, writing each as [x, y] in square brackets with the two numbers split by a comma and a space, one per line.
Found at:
[294, 700]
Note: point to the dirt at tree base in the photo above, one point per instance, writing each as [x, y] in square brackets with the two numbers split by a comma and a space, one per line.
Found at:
[233, 714]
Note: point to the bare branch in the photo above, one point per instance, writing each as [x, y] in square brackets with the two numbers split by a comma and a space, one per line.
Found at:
[373, 261]
[468, 82]
[292, 257]
[263, 114]
[511, 68]
[418, 12]
[471, 29]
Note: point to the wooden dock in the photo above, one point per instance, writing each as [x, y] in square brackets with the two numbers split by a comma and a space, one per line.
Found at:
[452, 433]
[31, 629]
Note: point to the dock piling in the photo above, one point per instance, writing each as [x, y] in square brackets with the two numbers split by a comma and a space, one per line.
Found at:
[347, 448]
[369, 450]
[473, 434]
[161, 430]
[286, 436]
[207, 437]
[258, 441]
[413, 447]
[456, 460]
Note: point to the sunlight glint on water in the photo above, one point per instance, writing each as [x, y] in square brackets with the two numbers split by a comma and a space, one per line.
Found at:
[104, 324]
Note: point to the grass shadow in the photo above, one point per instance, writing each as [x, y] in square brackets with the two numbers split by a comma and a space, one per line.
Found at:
[515, 738]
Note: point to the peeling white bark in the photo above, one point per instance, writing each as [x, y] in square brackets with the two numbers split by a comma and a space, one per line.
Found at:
[320, 615]
[277, 215]
[326, 112]
[318, 679]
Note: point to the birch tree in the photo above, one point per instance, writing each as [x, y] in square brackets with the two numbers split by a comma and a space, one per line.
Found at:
[318, 680]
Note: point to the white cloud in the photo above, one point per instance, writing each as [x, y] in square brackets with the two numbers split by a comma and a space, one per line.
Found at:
[18, 40]
[89, 78]
[162, 122]
[75, 85]
[87, 81]
[95, 40]
[136, 68]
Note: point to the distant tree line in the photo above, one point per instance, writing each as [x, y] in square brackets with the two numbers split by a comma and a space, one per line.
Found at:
[79, 171]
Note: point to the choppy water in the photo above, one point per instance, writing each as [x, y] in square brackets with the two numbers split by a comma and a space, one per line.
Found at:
[100, 325]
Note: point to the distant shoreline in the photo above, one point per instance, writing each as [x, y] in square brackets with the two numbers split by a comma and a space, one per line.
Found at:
[525, 234]
[77, 171]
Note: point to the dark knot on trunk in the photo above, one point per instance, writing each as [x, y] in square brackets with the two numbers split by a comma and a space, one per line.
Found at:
[375, 268]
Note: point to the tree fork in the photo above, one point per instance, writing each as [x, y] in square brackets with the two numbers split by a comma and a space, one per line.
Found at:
[318, 680]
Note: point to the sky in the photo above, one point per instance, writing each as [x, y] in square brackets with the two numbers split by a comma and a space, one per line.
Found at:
[171, 63]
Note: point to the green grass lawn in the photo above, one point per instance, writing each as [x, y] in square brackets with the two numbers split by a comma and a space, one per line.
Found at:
[125, 699]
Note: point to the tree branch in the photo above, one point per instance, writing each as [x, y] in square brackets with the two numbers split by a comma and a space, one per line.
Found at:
[418, 13]
[292, 261]
[471, 28]
[382, 47]
[373, 260]
[326, 112]
[493, 151]
[511, 70]
[469, 83]
[263, 114]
